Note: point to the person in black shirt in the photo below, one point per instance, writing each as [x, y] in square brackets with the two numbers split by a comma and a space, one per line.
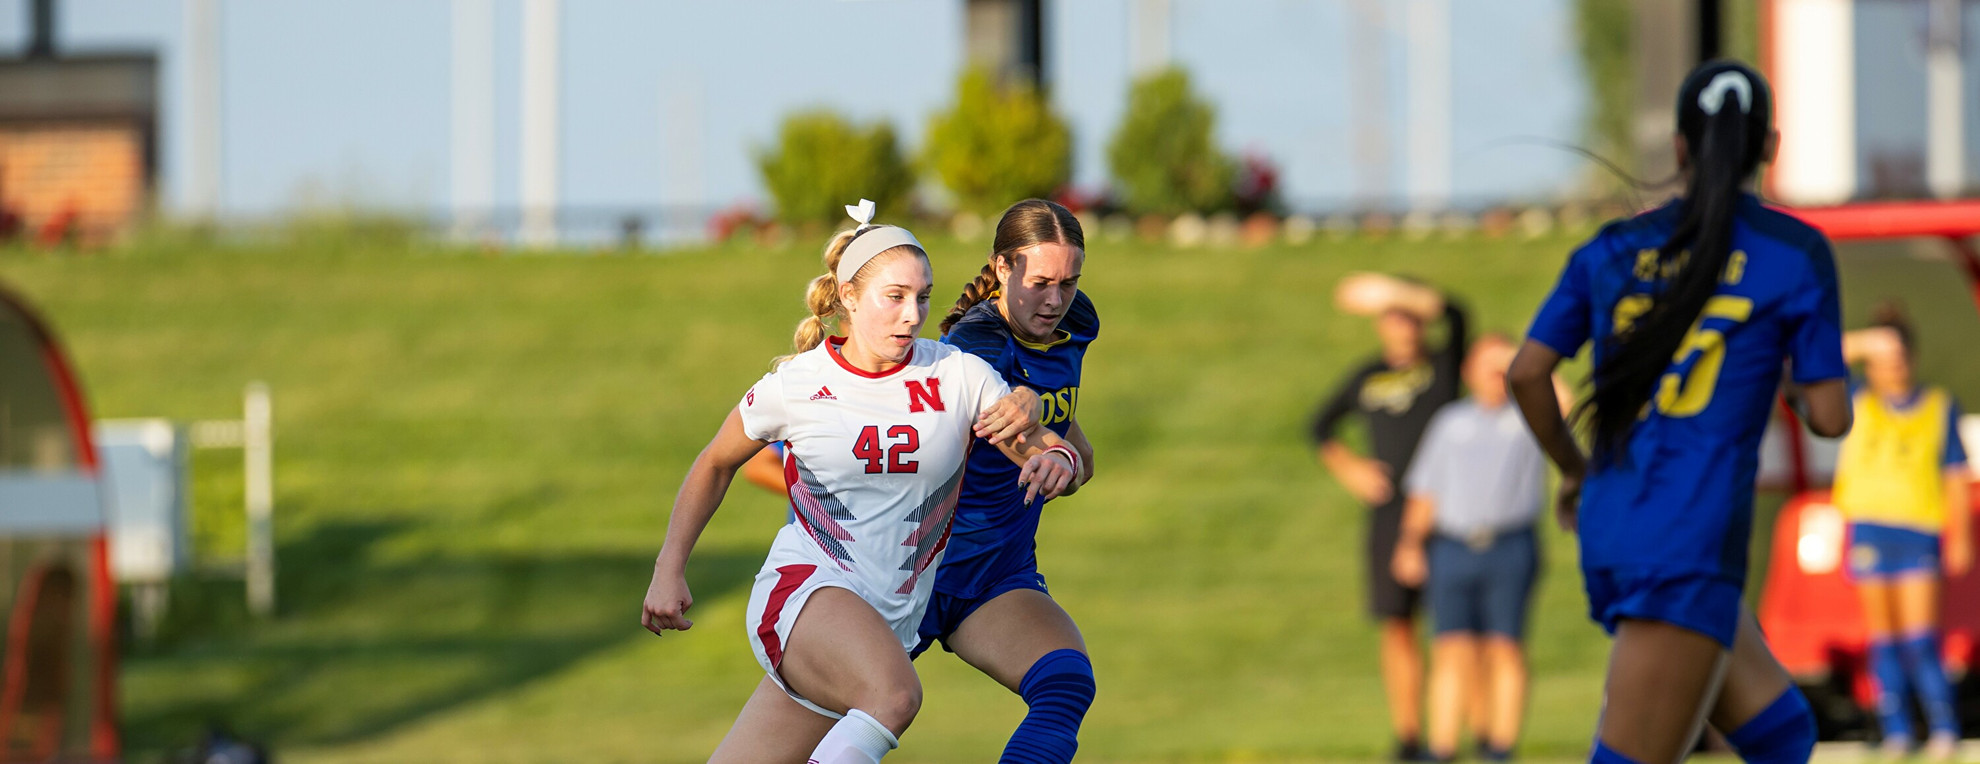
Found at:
[1395, 394]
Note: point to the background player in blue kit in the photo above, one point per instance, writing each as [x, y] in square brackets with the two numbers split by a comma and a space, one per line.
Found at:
[1694, 309]
[1025, 315]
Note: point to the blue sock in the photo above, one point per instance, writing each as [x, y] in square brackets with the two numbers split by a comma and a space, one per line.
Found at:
[1893, 689]
[1058, 688]
[1928, 677]
[1783, 733]
[1602, 755]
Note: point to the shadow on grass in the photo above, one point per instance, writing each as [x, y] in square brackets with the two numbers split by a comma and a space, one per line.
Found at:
[363, 647]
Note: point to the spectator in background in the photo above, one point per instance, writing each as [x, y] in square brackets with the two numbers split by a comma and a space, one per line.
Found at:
[1902, 480]
[1473, 493]
[1395, 394]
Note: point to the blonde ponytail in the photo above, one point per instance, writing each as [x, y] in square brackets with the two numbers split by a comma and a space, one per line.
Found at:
[821, 298]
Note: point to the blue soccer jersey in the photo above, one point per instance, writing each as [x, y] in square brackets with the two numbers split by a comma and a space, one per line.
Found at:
[995, 531]
[1678, 502]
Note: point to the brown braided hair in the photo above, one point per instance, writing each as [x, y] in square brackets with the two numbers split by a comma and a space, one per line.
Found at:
[1026, 224]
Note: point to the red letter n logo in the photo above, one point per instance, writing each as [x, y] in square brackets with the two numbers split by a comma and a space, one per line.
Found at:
[928, 397]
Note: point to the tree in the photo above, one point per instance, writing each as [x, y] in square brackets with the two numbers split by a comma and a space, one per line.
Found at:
[999, 143]
[1163, 156]
[822, 162]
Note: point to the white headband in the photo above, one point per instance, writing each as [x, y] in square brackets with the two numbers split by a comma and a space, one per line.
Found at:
[870, 240]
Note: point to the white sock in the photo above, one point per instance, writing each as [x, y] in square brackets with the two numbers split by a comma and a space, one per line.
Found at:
[856, 739]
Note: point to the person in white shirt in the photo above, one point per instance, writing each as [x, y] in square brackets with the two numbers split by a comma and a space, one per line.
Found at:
[876, 425]
[1474, 491]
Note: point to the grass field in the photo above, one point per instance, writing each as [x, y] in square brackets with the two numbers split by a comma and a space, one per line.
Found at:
[475, 455]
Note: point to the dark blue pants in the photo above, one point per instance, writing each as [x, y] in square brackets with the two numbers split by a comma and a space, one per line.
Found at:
[1482, 590]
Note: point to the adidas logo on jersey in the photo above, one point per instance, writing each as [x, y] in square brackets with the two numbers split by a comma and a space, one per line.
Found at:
[824, 394]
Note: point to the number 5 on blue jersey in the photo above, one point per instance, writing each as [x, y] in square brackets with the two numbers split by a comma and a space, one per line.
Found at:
[1687, 389]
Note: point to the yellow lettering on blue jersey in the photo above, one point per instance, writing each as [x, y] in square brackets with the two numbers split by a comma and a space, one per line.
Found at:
[1735, 267]
[1646, 265]
[1059, 405]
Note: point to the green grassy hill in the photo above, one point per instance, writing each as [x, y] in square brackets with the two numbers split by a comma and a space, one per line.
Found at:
[475, 455]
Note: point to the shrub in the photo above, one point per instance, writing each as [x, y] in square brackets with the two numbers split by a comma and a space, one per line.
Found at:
[998, 144]
[822, 163]
[1163, 157]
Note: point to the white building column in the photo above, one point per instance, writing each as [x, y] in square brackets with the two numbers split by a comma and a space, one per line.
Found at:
[473, 171]
[1150, 36]
[1814, 79]
[539, 123]
[1945, 102]
[1428, 29]
[202, 118]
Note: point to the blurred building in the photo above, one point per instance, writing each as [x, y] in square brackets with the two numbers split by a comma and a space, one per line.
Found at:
[1008, 36]
[78, 137]
[265, 107]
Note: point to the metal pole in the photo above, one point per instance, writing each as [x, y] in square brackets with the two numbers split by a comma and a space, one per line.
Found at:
[41, 22]
[258, 445]
[1031, 42]
[1711, 31]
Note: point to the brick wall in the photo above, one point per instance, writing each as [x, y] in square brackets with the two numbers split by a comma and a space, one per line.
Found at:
[93, 172]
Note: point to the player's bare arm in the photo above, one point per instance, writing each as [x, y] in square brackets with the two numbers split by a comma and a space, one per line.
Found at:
[1824, 406]
[1411, 565]
[1958, 536]
[1367, 479]
[1010, 417]
[765, 471]
[1875, 342]
[1372, 294]
[1531, 382]
[667, 597]
[1077, 437]
[1048, 463]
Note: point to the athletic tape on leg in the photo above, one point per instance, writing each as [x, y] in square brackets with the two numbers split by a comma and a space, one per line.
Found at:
[857, 739]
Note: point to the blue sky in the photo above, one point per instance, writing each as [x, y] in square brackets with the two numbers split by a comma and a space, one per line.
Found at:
[665, 101]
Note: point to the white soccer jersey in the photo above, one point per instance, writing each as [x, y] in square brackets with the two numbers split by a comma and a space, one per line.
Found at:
[874, 463]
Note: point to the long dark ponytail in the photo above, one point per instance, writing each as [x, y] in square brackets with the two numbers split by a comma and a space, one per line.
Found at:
[1028, 223]
[1724, 112]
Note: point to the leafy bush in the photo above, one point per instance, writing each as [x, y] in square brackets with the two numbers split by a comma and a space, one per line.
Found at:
[998, 144]
[823, 162]
[1163, 157]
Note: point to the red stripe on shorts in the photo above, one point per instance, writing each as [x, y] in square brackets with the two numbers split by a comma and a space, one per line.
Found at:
[790, 577]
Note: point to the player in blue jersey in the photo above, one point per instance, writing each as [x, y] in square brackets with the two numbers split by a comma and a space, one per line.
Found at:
[1694, 311]
[1024, 314]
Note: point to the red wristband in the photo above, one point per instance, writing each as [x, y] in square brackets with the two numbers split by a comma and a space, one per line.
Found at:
[1072, 457]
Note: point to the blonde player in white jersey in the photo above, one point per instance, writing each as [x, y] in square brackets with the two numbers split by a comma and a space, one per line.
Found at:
[878, 425]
